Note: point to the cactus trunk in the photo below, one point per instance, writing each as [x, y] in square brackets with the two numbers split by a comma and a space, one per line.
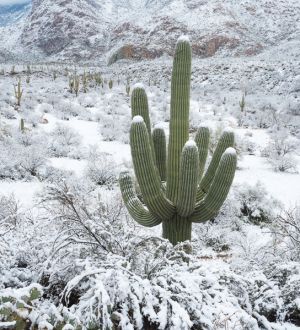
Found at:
[177, 229]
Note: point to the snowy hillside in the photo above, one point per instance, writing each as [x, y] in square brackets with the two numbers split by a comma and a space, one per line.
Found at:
[90, 30]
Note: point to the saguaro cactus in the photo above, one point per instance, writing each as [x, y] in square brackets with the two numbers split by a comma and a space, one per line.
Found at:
[18, 92]
[175, 192]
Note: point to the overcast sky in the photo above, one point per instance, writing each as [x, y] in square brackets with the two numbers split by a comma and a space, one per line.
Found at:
[12, 2]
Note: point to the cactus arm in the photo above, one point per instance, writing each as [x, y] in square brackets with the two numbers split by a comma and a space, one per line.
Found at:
[160, 150]
[134, 206]
[146, 171]
[226, 141]
[179, 120]
[202, 141]
[139, 105]
[218, 191]
[188, 180]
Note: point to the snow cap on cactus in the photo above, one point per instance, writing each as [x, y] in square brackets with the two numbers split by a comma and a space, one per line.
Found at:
[137, 119]
[183, 38]
[230, 151]
[228, 130]
[159, 126]
[139, 85]
[190, 144]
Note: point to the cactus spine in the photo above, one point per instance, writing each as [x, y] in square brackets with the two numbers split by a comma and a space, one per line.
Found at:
[175, 191]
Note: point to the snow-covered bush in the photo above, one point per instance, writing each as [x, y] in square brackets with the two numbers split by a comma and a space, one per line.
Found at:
[32, 160]
[18, 161]
[101, 169]
[279, 152]
[256, 205]
[286, 230]
[66, 109]
[64, 142]
[85, 219]
[114, 128]
[9, 214]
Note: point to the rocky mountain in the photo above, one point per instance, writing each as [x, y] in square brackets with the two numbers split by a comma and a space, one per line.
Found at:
[131, 29]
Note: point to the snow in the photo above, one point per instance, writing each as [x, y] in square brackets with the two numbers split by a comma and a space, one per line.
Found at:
[190, 144]
[231, 279]
[183, 38]
[230, 151]
[23, 191]
[283, 186]
[137, 119]
[138, 86]
[159, 126]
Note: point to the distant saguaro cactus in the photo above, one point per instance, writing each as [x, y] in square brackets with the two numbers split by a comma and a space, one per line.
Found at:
[18, 92]
[22, 125]
[242, 103]
[174, 189]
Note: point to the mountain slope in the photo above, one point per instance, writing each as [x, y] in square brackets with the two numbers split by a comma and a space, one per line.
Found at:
[112, 29]
[11, 14]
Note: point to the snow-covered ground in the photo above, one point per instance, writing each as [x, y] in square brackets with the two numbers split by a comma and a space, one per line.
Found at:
[75, 146]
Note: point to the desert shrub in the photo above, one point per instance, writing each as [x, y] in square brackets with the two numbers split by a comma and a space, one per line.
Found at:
[85, 219]
[101, 168]
[18, 161]
[256, 205]
[279, 152]
[66, 109]
[244, 145]
[114, 128]
[286, 230]
[64, 142]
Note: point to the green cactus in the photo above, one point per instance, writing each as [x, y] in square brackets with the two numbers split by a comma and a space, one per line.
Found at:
[22, 125]
[18, 92]
[242, 103]
[175, 192]
[127, 88]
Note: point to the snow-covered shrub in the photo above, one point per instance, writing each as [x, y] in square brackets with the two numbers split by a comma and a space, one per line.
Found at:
[243, 145]
[279, 152]
[85, 219]
[7, 111]
[257, 206]
[32, 118]
[115, 128]
[32, 159]
[67, 108]
[286, 230]
[19, 161]
[286, 163]
[64, 142]
[101, 169]
[9, 214]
